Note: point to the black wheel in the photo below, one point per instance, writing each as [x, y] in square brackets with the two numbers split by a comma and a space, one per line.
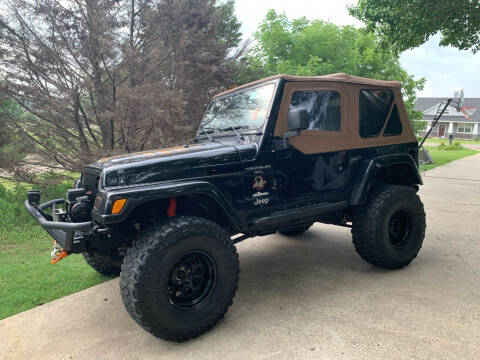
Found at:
[106, 262]
[295, 230]
[179, 277]
[388, 231]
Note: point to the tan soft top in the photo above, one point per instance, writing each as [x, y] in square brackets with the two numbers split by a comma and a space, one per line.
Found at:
[338, 77]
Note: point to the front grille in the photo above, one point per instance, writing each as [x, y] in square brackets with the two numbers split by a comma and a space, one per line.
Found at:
[90, 180]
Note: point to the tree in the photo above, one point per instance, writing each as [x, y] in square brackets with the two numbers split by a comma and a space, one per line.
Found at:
[408, 24]
[97, 77]
[4, 133]
[309, 48]
[12, 146]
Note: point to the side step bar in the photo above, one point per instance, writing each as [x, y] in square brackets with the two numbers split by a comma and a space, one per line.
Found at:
[298, 213]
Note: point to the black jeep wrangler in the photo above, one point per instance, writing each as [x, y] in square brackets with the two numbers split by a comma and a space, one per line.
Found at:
[278, 154]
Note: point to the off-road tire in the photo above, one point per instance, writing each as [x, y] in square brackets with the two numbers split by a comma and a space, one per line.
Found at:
[295, 231]
[147, 270]
[372, 227]
[106, 262]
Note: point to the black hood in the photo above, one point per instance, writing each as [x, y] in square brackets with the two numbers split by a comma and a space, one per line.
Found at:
[176, 163]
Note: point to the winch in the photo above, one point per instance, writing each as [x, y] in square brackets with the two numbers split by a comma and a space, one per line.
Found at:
[79, 205]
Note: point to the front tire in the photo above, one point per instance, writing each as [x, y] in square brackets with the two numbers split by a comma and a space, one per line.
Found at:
[388, 231]
[179, 277]
[106, 262]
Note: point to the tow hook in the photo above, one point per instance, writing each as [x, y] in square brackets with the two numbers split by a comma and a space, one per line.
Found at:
[57, 253]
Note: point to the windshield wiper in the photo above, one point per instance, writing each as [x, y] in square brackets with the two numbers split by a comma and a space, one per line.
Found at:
[234, 128]
[247, 130]
[206, 131]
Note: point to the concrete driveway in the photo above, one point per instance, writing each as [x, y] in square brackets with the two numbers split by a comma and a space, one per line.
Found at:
[301, 298]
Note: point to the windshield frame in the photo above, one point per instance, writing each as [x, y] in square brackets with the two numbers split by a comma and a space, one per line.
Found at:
[275, 82]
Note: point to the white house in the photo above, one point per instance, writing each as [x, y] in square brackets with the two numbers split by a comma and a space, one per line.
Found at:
[463, 124]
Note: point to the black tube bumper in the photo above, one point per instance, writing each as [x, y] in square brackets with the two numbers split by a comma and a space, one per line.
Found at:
[62, 232]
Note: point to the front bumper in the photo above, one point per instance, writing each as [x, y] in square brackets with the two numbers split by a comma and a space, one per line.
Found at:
[70, 235]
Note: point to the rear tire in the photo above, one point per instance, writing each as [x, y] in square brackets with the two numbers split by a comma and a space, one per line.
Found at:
[106, 262]
[179, 277]
[388, 231]
[295, 231]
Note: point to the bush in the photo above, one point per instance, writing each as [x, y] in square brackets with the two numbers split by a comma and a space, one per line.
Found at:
[13, 213]
[453, 147]
[456, 143]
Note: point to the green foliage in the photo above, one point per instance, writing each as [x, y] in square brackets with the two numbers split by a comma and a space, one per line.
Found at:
[408, 24]
[12, 146]
[453, 147]
[228, 27]
[12, 196]
[308, 48]
[418, 125]
[457, 145]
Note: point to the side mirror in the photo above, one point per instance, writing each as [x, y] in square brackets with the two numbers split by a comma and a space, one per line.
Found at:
[298, 119]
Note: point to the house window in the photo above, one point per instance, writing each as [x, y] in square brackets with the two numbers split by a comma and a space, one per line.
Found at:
[464, 128]
[323, 108]
[374, 108]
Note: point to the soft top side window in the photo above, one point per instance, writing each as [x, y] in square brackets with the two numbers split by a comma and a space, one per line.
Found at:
[375, 104]
[323, 107]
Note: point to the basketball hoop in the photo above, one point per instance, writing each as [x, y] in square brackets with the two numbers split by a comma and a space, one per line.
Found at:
[458, 98]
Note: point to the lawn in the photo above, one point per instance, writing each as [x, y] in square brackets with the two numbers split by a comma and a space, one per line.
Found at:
[442, 156]
[27, 279]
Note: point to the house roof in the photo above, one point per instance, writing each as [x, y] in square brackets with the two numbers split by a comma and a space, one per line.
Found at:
[470, 105]
[337, 77]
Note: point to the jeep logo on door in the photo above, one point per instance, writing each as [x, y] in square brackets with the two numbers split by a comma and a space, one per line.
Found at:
[259, 183]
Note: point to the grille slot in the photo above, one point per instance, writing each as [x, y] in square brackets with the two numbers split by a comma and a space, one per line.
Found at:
[90, 181]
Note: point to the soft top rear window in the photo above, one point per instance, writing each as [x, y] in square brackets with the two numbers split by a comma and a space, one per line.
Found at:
[375, 104]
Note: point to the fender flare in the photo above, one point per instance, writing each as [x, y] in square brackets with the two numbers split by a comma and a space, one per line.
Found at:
[139, 195]
[370, 169]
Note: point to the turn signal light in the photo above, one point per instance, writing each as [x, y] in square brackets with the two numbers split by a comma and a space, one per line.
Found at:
[118, 206]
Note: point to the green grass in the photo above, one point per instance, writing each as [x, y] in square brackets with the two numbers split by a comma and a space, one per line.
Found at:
[444, 155]
[463, 142]
[27, 279]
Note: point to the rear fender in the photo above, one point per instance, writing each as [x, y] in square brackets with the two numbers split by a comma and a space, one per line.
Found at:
[388, 167]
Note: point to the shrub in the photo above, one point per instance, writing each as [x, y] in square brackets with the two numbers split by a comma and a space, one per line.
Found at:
[453, 147]
[13, 213]
[456, 143]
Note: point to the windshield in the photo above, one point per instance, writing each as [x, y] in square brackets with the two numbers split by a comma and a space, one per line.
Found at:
[242, 110]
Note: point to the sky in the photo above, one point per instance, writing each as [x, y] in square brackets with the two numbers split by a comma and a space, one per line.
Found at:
[446, 69]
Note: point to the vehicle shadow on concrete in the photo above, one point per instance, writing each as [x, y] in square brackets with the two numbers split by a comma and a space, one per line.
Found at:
[321, 261]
